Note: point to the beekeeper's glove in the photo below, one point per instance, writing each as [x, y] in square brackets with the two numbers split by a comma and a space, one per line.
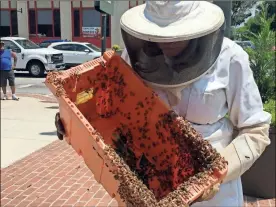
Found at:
[245, 149]
[59, 126]
[209, 193]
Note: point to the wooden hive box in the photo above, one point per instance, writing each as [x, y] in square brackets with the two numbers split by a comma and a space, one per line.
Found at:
[141, 152]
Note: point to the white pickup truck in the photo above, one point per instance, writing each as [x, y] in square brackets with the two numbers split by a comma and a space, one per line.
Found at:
[32, 58]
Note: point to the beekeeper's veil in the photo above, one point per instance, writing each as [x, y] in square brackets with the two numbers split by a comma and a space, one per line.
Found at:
[171, 43]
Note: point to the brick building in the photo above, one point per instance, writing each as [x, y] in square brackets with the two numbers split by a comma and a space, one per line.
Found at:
[74, 20]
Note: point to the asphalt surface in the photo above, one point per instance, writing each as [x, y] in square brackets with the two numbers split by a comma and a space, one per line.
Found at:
[26, 84]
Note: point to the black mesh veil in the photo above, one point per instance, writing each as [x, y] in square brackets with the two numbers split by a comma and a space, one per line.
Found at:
[160, 64]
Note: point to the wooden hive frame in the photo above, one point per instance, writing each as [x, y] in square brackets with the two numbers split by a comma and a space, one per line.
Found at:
[106, 165]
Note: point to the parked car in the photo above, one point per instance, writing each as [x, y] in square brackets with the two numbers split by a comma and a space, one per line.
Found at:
[245, 44]
[76, 53]
[46, 43]
[32, 58]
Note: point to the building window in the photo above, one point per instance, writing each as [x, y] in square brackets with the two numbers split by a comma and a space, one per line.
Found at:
[76, 23]
[87, 23]
[8, 23]
[32, 22]
[91, 23]
[57, 22]
[14, 23]
[44, 22]
[5, 23]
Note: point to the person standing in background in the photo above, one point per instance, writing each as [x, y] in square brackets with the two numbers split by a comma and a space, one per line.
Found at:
[7, 73]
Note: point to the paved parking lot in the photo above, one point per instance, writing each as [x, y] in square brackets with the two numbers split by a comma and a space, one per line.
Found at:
[28, 84]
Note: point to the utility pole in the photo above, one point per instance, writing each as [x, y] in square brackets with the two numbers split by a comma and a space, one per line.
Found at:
[104, 27]
[226, 7]
[105, 8]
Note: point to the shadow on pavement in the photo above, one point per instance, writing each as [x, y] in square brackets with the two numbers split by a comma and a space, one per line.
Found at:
[26, 75]
[52, 107]
[50, 101]
[54, 133]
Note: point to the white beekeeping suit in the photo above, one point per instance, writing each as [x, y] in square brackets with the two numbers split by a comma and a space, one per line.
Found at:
[178, 48]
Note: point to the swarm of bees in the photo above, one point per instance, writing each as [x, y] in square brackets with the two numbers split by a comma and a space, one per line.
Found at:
[196, 158]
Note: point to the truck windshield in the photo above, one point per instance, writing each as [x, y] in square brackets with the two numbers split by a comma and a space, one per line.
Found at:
[93, 47]
[27, 44]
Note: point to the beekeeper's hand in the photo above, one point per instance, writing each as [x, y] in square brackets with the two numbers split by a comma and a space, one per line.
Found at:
[59, 126]
[209, 194]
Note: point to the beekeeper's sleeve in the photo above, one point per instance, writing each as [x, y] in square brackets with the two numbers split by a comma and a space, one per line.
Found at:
[247, 115]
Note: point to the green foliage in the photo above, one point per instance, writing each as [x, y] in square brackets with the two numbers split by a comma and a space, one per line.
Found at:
[270, 107]
[252, 24]
[116, 48]
[271, 10]
[262, 57]
[238, 33]
[260, 31]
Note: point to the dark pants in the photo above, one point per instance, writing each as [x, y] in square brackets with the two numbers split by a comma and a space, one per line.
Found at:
[7, 75]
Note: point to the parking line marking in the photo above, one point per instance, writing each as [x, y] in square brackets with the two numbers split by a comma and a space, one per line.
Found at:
[25, 86]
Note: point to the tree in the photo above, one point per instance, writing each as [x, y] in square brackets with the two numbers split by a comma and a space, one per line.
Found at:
[271, 10]
[241, 11]
[251, 25]
[238, 16]
[262, 57]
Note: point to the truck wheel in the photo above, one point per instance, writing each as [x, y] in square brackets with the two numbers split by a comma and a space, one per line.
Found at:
[36, 69]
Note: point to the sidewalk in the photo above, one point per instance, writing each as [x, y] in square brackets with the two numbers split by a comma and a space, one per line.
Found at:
[54, 175]
[26, 126]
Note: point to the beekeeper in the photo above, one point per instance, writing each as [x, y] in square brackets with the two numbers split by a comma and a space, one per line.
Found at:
[179, 49]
